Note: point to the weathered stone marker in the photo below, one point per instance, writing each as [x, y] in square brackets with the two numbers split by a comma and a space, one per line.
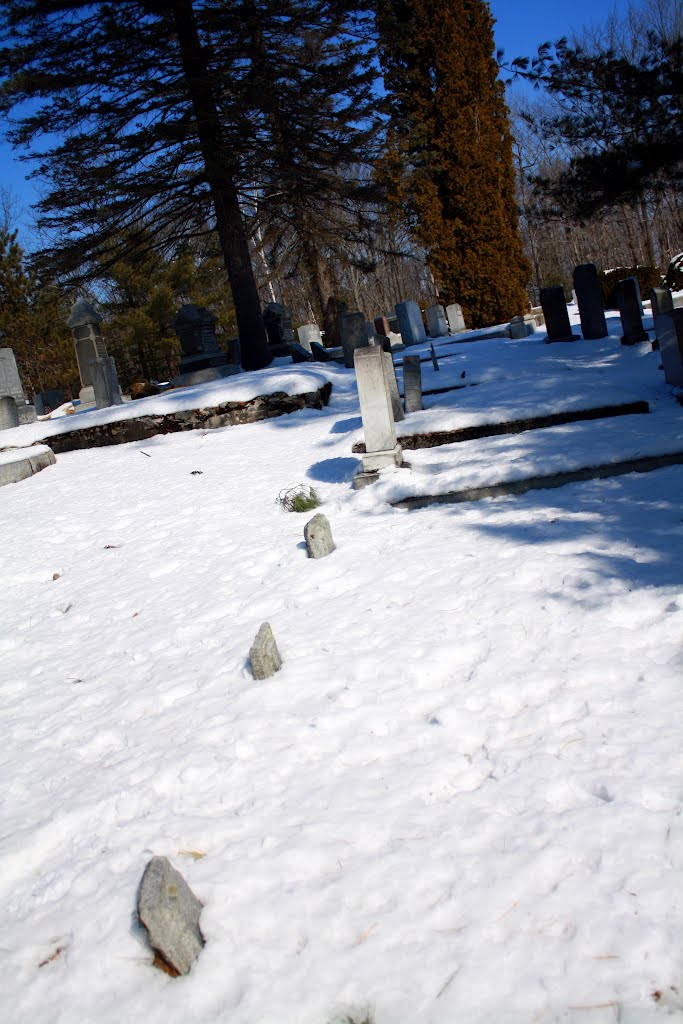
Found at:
[9, 413]
[202, 359]
[662, 301]
[170, 912]
[105, 382]
[628, 299]
[308, 333]
[456, 321]
[435, 361]
[396, 406]
[47, 401]
[277, 320]
[84, 322]
[412, 383]
[264, 655]
[10, 381]
[318, 537]
[669, 328]
[554, 306]
[589, 299]
[381, 447]
[518, 328]
[410, 323]
[353, 333]
[437, 323]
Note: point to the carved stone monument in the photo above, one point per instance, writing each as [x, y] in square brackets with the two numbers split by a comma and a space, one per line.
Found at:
[436, 321]
[381, 447]
[84, 322]
[277, 320]
[456, 321]
[202, 360]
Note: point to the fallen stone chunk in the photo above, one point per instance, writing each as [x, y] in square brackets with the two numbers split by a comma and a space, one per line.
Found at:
[318, 537]
[264, 655]
[170, 912]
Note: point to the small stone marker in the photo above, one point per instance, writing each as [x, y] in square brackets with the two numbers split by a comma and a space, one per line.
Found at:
[589, 300]
[264, 655]
[456, 321]
[170, 912]
[435, 361]
[669, 328]
[436, 321]
[318, 537]
[381, 446]
[412, 383]
[308, 333]
[518, 328]
[628, 299]
[353, 333]
[410, 323]
[9, 413]
[554, 306]
[396, 406]
[662, 301]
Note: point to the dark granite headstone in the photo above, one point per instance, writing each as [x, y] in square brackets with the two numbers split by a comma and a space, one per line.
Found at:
[353, 333]
[662, 301]
[628, 300]
[196, 330]
[669, 328]
[554, 306]
[589, 299]
[47, 401]
[277, 320]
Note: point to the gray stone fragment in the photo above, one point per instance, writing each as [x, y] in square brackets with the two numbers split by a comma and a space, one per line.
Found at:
[264, 655]
[318, 537]
[435, 361]
[170, 912]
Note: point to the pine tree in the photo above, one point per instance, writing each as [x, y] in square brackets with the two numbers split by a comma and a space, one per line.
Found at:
[449, 158]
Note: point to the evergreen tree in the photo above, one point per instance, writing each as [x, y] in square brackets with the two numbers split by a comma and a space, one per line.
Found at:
[449, 159]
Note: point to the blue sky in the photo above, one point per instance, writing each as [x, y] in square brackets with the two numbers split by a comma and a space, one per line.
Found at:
[521, 25]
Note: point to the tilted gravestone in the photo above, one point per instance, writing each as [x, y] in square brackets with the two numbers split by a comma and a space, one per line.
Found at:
[353, 334]
[263, 654]
[105, 382]
[410, 324]
[435, 361]
[456, 321]
[381, 447]
[412, 383]
[628, 300]
[554, 306]
[277, 320]
[662, 301]
[318, 537]
[590, 302]
[437, 323]
[669, 328]
[170, 912]
[84, 322]
[309, 333]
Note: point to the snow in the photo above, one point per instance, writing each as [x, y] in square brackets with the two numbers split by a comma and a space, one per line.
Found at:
[459, 799]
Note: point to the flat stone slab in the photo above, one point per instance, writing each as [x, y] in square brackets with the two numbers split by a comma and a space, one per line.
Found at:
[21, 463]
[642, 465]
[435, 439]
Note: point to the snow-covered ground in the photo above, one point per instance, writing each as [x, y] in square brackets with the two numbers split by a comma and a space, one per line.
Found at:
[459, 801]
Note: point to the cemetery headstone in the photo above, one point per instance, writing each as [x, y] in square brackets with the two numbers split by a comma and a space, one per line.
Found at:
[105, 383]
[9, 413]
[10, 381]
[84, 322]
[590, 303]
[381, 325]
[456, 320]
[277, 320]
[299, 354]
[410, 323]
[628, 299]
[264, 656]
[27, 413]
[353, 333]
[669, 328]
[518, 328]
[381, 446]
[47, 401]
[396, 406]
[318, 537]
[170, 912]
[662, 301]
[201, 357]
[554, 306]
[308, 333]
[412, 383]
[435, 361]
[437, 323]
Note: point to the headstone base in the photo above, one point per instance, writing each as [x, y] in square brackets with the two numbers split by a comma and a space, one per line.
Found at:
[634, 339]
[374, 461]
[87, 395]
[185, 380]
[571, 337]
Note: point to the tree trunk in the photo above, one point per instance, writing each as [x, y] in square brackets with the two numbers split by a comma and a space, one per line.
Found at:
[224, 195]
